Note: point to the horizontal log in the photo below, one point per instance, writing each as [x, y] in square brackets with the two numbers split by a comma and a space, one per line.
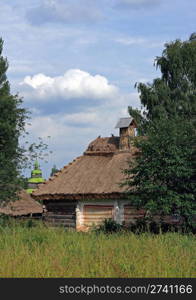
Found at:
[98, 214]
[60, 213]
[61, 204]
[60, 217]
[98, 209]
[135, 211]
[96, 217]
[57, 208]
[133, 216]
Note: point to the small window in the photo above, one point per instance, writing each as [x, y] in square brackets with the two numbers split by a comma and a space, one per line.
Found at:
[135, 132]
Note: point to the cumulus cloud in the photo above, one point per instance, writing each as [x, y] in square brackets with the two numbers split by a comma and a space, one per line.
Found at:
[82, 118]
[74, 83]
[68, 11]
[92, 121]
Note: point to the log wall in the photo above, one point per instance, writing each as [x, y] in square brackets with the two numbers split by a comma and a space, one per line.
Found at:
[60, 213]
[131, 214]
[85, 215]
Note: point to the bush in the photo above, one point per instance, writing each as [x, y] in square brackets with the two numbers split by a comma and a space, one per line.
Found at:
[147, 225]
[109, 226]
[5, 220]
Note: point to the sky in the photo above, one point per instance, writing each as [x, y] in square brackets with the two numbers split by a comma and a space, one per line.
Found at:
[75, 63]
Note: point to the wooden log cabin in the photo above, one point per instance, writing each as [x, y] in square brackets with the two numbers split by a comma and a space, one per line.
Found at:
[87, 191]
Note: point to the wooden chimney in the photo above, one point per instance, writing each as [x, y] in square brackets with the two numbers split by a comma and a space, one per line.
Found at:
[127, 131]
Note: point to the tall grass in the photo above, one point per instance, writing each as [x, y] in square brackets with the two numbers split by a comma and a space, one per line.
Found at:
[45, 252]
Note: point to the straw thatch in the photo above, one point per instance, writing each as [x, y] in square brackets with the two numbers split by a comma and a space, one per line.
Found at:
[108, 144]
[96, 174]
[24, 206]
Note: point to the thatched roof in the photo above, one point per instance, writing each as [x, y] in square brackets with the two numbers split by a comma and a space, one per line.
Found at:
[96, 174]
[108, 144]
[24, 206]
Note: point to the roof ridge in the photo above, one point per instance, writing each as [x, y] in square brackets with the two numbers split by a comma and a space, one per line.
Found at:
[59, 172]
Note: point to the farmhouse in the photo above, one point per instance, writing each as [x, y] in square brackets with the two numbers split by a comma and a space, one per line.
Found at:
[24, 207]
[88, 190]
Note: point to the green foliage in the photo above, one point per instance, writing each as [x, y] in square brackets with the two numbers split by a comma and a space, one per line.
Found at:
[12, 121]
[5, 220]
[164, 172]
[137, 115]
[35, 151]
[14, 157]
[109, 226]
[174, 93]
[163, 175]
[148, 225]
[54, 170]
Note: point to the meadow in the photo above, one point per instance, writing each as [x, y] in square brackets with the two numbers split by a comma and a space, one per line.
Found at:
[47, 252]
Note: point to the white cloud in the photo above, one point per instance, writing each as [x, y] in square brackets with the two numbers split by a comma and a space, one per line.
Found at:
[74, 83]
[82, 118]
[127, 41]
[64, 12]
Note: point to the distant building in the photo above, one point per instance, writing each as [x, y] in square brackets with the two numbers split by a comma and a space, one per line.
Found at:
[36, 178]
[25, 206]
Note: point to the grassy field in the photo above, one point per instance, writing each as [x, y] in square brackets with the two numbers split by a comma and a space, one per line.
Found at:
[43, 252]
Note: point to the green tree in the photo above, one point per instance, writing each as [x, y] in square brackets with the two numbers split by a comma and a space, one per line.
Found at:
[164, 171]
[162, 177]
[14, 157]
[54, 170]
[174, 93]
[12, 122]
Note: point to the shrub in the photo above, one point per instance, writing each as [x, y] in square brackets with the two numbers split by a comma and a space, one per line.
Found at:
[109, 226]
[148, 225]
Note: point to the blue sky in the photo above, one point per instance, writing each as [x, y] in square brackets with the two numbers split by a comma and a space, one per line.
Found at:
[75, 62]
